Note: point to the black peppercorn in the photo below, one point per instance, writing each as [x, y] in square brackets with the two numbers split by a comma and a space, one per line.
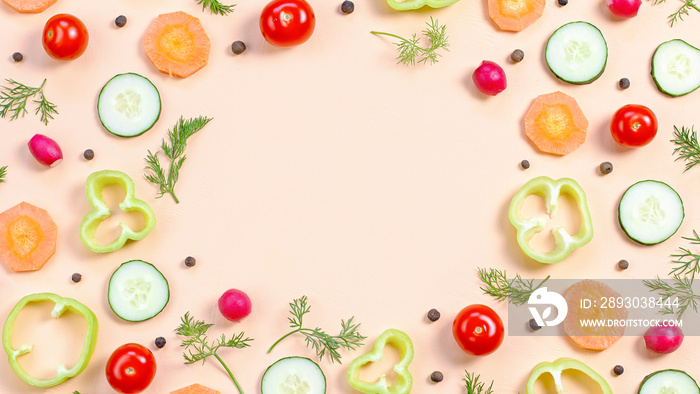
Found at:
[347, 7]
[433, 315]
[436, 376]
[89, 154]
[623, 264]
[618, 370]
[238, 47]
[76, 277]
[190, 261]
[563, 2]
[606, 167]
[160, 342]
[120, 21]
[624, 83]
[525, 164]
[533, 325]
[517, 56]
[17, 57]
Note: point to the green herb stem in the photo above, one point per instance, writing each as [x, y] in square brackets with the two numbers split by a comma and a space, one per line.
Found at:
[3, 173]
[410, 50]
[14, 98]
[223, 364]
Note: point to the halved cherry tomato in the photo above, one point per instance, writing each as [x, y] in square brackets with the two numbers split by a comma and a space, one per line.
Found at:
[286, 23]
[65, 37]
[633, 125]
[131, 368]
[478, 330]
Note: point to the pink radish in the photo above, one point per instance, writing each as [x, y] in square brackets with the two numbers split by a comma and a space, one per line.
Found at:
[235, 305]
[45, 150]
[624, 8]
[489, 78]
[661, 339]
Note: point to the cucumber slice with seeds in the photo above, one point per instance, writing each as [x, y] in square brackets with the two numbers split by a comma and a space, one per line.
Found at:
[137, 291]
[129, 105]
[675, 68]
[669, 381]
[293, 375]
[577, 53]
[650, 212]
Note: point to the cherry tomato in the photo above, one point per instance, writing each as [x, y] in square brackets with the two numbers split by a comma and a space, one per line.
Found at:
[287, 23]
[131, 368]
[478, 330]
[65, 37]
[633, 125]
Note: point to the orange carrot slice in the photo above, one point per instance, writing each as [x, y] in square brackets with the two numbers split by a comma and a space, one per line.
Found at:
[515, 15]
[27, 237]
[195, 389]
[592, 337]
[177, 44]
[556, 124]
[30, 6]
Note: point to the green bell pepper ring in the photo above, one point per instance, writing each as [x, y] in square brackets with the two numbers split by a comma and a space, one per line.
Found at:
[556, 368]
[407, 5]
[403, 382]
[94, 185]
[550, 190]
[62, 305]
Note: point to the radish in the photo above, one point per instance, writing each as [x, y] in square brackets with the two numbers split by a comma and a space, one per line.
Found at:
[489, 78]
[624, 8]
[662, 339]
[235, 305]
[45, 150]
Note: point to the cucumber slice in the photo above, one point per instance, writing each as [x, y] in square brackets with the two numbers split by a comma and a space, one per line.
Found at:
[669, 381]
[129, 105]
[650, 212]
[577, 53]
[137, 291]
[293, 375]
[675, 68]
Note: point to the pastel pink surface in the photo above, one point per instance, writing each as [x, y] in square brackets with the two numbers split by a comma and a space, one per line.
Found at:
[330, 171]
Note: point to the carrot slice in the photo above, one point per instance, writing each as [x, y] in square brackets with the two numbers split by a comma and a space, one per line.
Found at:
[515, 15]
[177, 44]
[556, 124]
[27, 237]
[30, 6]
[592, 337]
[195, 389]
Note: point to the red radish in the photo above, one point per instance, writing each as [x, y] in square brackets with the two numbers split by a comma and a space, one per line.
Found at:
[661, 339]
[489, 78]
[45, 150]
[235, 305]
[624, 8]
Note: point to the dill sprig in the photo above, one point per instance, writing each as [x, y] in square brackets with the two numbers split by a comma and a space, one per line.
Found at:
[323, 343]
[215, 7]
[14, 98]
[3, 173]
[195, 333]
[687, 147]
[680, 288]
[474, 386]
[174, 150]
[684, 10]
[688, 263]
[410, 50]
[517, 291]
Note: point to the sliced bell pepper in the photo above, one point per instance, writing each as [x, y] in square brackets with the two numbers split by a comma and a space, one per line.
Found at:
[550, 190]
[407, 5]
[62, 305]
[96, 182]
[556, 368]
[403, 382]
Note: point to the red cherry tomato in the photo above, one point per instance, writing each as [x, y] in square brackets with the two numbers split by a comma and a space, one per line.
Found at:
[633, 125]
[478, 330]
[286, 23]
[131, 368]
[65, 37]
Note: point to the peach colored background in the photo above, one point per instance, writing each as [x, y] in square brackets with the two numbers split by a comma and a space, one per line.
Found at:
[373, 188]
